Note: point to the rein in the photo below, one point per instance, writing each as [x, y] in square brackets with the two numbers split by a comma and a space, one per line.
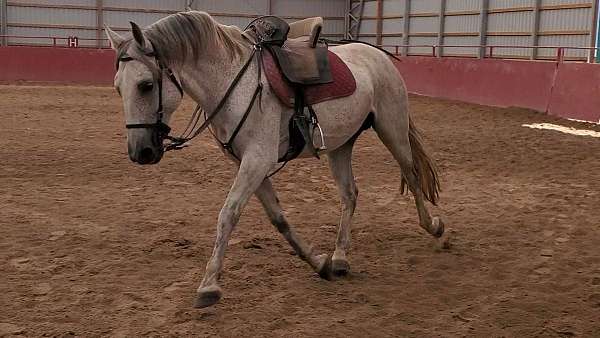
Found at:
[192, 132]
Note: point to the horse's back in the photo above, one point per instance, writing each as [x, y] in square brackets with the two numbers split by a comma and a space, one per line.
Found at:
[359, 56]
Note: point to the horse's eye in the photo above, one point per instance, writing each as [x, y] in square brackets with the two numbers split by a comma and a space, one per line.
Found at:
[145, 86]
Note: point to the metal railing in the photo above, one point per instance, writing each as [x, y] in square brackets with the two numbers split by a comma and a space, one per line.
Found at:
[54, 41]
[489, 50]
[559, 55]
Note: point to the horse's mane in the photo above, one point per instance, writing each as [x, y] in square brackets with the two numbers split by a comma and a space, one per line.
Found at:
[181, 36]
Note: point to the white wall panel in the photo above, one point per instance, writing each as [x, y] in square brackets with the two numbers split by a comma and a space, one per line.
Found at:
[510, 41]
[51, 16]
[120, 19]
[393, 25]
[500, 4]
[463, 5]
[308, 8]
[424, 25]
[393, 7]
[57, 2]
[370, 9]
[425, 6]
[510, 22]
[255, 7]
[566, 19]
[558, 25]
[462, 24]
[171, 5]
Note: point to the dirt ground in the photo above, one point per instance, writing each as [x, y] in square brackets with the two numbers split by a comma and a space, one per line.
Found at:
[93, 245]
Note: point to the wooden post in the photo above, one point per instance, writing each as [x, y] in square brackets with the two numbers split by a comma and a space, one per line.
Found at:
[406, 30]
[535, 29]
[99, 23]
[270, 7]
[483, 27]
[441, 28]
[3, 24]
[379, 22]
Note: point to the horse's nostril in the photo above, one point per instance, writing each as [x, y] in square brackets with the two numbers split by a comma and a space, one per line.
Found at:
[146, 156]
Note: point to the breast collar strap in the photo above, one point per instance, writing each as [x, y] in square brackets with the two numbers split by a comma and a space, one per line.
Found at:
[162, 128]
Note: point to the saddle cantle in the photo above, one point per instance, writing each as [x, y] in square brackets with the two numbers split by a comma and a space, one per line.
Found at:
[301, 72]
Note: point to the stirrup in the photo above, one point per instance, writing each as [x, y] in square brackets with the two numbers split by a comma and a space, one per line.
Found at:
[323, 147]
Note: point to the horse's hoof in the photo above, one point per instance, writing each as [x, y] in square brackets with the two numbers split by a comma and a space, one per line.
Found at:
[208, 296]
[325, 270]
[437, 227]
[340, 267]
[443, 242]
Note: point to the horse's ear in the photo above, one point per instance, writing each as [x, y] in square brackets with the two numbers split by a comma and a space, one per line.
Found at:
[115, 39]
[138, 35]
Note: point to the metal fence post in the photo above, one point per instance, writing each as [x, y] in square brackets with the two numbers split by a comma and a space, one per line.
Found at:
[3, 24]
[441, 28]
[483, 27]
[535, 29]
[406, 30]
[99, 22]
[379, 33]
[594, 32]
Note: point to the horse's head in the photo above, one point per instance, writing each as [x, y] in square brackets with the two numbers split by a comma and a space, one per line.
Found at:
[150, 94]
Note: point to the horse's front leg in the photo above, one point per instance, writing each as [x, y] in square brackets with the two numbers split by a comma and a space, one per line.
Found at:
[251, 173]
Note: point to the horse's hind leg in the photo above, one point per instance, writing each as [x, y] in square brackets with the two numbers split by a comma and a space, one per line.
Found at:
[340, 163]
[396, 133]
[268, 198]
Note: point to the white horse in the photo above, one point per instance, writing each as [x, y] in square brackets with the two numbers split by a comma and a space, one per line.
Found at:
[205, 58]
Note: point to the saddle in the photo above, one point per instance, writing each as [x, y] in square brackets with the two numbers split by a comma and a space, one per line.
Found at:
[298, 66]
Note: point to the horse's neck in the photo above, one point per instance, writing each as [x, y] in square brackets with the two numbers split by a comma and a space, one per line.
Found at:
[206, 82]
[207, 78]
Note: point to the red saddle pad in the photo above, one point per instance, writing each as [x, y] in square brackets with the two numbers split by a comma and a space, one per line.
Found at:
[343, 83]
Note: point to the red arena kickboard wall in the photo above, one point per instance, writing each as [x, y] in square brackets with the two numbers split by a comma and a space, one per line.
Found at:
[487, 82]
[576, 92]
[64, 65]
[569, 90]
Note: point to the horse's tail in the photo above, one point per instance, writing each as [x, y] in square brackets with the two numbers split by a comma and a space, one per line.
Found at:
[423, 166]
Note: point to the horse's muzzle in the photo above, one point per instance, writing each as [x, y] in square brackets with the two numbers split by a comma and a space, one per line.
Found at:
[145, 147]
[147, 156]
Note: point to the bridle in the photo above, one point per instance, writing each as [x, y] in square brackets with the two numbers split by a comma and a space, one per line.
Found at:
[191, 131]
[162, 128]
